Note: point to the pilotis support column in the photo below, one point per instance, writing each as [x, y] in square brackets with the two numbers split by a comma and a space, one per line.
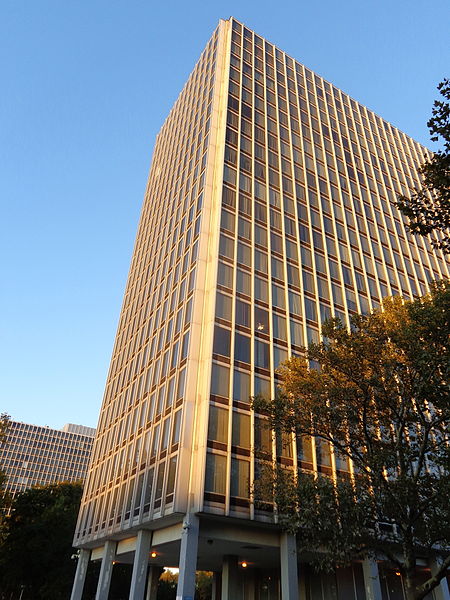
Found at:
[289, 571]
[80, 575]
[104, 580]
[140, 565]
[188, 558]
[371, 579]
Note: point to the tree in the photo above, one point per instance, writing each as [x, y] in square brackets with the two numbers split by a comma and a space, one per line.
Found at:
[36, 555]
[379, 395]
[428, 209]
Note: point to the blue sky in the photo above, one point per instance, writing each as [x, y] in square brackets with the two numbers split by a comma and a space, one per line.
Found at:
[86, 85]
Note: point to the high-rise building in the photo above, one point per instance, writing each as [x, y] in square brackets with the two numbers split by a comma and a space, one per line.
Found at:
[34, 455]
[269, 208]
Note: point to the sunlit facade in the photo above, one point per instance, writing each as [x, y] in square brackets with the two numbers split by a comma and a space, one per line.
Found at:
[269, 208]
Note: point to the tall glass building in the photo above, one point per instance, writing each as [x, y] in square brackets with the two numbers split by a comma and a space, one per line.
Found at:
[269, 208]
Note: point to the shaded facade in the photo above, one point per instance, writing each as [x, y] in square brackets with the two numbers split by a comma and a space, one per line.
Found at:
[268, 209]
[34, 455]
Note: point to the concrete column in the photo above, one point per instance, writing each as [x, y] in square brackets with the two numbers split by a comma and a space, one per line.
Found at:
[371, 579]
[231, 590]
[289, 571]
[188, 558]
[441, 592]
[104, 579]
[80, 575]
[140, 565]
[154, 573]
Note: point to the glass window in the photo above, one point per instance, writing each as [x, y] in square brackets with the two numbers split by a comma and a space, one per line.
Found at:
[242, 313]
[279, 356]
[243, 282]
[240, 473]
[165, 434]
[262, 354]
[310, 309]
[216, 473]
[226, 247]
[244, 229]
[241, 430]
[261, 263]
[262, 387]
[261, 320]
[218, 424]
[223, 306]
[171, 475]
[241, 386]
[277, 268]
[244, 254]
[155, 441]
[225, 275]
[220, 379]
[176, 427]
[261, 289]
[222, 339]
[242, 348]
[296, 333]
[261, 235]
[278, 296]
[323, 452]
[263, 436]
[279, 327]
[304, 449]
[181, 382]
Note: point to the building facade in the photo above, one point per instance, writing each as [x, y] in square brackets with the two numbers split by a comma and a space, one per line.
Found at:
[269, 208]
[34, 455]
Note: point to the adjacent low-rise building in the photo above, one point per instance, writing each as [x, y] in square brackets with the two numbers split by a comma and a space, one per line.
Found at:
[36, 455]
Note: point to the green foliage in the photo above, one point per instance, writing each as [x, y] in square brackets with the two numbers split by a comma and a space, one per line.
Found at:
[203, 585]
[428, 208]
[36, 554]
[380, 398]
[167, 586]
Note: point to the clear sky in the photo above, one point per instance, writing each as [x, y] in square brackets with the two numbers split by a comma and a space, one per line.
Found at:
[86, 85]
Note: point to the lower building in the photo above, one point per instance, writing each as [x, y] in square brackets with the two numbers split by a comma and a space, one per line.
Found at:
[35, 455]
